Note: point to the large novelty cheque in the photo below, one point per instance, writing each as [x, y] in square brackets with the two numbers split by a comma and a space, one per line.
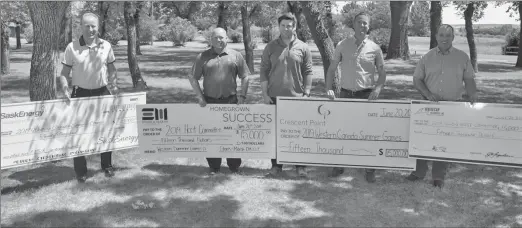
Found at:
[42, 131]
[343, 132]
[482, 133]
[216, 130]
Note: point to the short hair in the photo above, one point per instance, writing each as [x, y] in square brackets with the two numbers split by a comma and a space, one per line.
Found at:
[447, 26]
[89, 14]
[287, 16]
[362, 14]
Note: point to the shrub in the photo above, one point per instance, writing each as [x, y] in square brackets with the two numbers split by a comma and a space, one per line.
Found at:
[513, 38]
[269, 34]
[207, 34]
[236, 36]
[381, 37]
[148, 29]
[180, 31]
[28, 34]
[113, 36]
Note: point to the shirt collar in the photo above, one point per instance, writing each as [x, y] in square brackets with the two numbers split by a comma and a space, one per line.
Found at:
[281, 42]
[225, 51]
[82, 41]
[440, 52]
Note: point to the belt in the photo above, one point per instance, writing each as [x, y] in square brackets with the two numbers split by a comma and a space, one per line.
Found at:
[356, 92]
[221, 98]
[101, 89]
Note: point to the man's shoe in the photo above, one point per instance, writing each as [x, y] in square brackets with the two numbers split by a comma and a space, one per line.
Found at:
[336, 171]
[301, 171]
[438, 183]
[274, 171]
[370, 177]
[412, 177]
[81, 179]
[109, 172]
[213, 172]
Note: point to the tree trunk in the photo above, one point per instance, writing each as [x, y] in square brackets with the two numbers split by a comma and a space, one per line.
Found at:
[139, 7]
[398, 47]
[468, 14]
[519, 58]
[435, 22]
[247, 38]
[222, 16]
[151, 15]
[322, 39]
[17, 31]
[329, 18]
[46, 18]
[103, 13]
[128, 13]
[64, 30]
[4, 66]
[193, 7]
[296, 9]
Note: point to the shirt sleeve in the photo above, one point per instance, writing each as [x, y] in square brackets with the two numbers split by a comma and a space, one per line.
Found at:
[379, 57]
[197, 68]
[420, 70]
[265, 64]
[307, 65]
[242, 67]
[111, 58]
[68, 56]
[469, 72]
[338, 51]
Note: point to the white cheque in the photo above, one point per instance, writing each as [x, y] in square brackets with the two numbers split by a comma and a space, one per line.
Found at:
[343, 132]
[217, 130]
[42, 131]
[488, 134]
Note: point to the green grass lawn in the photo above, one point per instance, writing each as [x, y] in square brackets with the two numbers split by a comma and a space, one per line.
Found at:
[176, 192]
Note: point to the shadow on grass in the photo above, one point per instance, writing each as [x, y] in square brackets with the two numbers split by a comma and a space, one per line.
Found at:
[497, 67]
[217, 211]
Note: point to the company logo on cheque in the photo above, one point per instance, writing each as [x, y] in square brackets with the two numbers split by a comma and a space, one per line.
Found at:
[323, 111]
[430, 111]
[154, 114]
[22, 114]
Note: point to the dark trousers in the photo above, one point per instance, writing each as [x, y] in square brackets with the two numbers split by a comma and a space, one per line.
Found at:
[438, 169]
[215, 163]
[362, 94]
[80, 163]
[274, 161]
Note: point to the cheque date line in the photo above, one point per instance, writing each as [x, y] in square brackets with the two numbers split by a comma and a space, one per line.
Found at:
[297, 148]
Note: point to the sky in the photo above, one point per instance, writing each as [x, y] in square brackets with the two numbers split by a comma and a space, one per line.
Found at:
[492, 15]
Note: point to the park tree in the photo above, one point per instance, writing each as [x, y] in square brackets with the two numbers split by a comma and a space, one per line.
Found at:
[139, 9]
[16, 12]
[103, 14]
[398, 47]
[435, 22]
[223, 10]
[315, 20]
[379, 13]
[296, 9]
[248, 10]
[129, 12]
[419, 18]
[472, 11]
[513, 8]
[46, 18]
[66, 29]
[4, 53]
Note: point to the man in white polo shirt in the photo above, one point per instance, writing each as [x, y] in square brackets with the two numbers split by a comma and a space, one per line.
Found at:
[361, 60]
[91, 60]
